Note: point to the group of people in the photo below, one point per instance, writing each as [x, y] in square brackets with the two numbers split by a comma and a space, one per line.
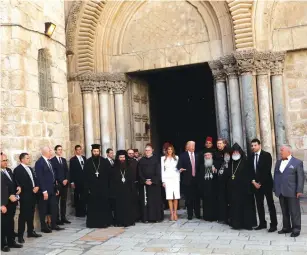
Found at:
[129, 188]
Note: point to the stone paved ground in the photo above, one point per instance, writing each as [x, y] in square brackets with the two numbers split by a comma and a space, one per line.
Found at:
[181, 237]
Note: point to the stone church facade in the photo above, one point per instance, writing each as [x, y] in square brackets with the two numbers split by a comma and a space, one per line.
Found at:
[76, 87]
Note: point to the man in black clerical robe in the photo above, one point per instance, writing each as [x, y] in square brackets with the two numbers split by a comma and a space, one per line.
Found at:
[150, 187]
[221, 164]
[242, 203]
[123, 191]
[97, 177]
[207, 184]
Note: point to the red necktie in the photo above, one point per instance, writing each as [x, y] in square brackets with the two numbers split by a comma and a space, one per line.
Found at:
[193, 163]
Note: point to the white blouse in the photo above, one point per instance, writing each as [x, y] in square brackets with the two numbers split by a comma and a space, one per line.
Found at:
[169, 169]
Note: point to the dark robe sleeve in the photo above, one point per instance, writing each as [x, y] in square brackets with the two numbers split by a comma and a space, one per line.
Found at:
[141, 173]
[156, 179]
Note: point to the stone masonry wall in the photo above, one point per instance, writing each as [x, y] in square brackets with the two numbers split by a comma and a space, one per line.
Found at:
[24, 127]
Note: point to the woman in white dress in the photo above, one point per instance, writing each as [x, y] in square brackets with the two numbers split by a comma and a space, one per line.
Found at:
[171, 180]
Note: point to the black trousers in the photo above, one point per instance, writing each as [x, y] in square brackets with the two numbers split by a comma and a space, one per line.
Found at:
[268, 194]
[80, 198]
[291, 210]
[191, 194]
[7, 225]
[62, 200]
[43, 206]
[26, 216]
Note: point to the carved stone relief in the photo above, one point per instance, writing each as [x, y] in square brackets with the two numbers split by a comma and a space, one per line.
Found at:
[262, 62]
[245, 60]
[277, 62]
[217, 70]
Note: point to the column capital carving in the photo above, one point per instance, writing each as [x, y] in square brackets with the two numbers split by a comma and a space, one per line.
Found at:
[119, 87]
[245, 60]
[277, 60]
[103, 86]
[88, 86]
[217, 70]
[262, 62]
[230, 65]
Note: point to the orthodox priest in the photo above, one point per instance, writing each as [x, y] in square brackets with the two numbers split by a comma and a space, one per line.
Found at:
[122, 185]
[97, 177]
[221, 163]
[207, 184]
[150, 182]
[242, 203]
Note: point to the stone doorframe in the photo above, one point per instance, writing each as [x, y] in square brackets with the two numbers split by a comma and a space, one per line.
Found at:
[249, 95]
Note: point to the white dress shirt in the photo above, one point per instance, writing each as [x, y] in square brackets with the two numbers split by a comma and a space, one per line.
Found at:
[284, 163]
[29, 173]
[111, 161]
[6, 173]
[81, 160]
[256, 159]
[59, 159]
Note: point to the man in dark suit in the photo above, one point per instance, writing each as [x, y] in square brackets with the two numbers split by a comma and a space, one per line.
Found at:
[4, 202]
[261, 166]
[289, 181]
[187, 165]
[59, 165]
[77, 178]
[110, 157]
[48, 191]
[7, 219]
[26, 179]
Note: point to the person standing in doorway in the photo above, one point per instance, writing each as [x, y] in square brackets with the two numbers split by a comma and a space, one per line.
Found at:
[60, 168]
[76, 165]
[150, 181]
[289, 181]
[26, 179]
[261, 164]
[171, 180]
[187, 165]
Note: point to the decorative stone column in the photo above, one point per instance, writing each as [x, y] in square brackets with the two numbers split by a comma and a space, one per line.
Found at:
[112, 120]
[220, 98]
[119, 88]
[245, 61]
[262, 65]
[277, 66]
[87, 88]
[104, 115]
[230, 67]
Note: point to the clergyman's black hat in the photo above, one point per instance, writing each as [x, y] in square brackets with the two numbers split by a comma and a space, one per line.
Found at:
[95, 146]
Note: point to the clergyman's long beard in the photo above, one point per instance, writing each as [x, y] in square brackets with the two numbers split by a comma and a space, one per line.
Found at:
[122, 164]
[208, 162]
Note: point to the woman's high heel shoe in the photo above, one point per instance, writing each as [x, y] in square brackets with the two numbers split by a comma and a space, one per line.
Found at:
[171, 216]
[175, 215]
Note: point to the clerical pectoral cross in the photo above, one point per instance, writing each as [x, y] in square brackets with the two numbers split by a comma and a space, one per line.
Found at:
[96, 168]
[97, 173]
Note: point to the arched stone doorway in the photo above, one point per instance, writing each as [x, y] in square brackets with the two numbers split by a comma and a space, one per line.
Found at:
[106, 40]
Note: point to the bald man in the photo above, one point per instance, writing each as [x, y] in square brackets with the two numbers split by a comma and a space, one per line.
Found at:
[47, 190]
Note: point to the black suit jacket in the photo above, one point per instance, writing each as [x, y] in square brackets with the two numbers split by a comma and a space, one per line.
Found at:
[23, 180]
[60, 170]
[4, 191]
[185, 162]
[108, 163]
[11, 184]
[263, 174]
[76, 172]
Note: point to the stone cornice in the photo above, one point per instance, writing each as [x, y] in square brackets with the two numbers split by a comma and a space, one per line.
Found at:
[98, 77]
[262, 62]
[217, 70]
[229, 65]
[277, 60]
[245, 61]
[88, 86]
[119, 87]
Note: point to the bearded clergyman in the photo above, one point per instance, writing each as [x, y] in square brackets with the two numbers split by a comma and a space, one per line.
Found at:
[207, 184]
[97, 177]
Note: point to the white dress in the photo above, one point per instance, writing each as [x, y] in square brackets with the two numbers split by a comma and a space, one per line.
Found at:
[171, 177]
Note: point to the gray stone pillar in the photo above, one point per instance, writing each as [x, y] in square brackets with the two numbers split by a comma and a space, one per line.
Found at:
[104, 116]
[119, 88]
[230, 67]
[277, 66]
[112, 120]
[87, 88]
[220, 98]
[262, 64]
[245, 61]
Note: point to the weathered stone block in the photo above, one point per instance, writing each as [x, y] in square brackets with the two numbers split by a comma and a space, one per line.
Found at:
[7, 129]
[58, 104]
[32, 100]
[23, 129]
[295, 104]
[18, 98]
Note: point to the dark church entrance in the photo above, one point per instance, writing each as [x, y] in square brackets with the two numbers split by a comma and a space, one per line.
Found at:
[181, 105]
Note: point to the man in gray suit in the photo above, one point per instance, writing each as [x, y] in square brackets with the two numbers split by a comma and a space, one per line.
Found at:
[288, 186]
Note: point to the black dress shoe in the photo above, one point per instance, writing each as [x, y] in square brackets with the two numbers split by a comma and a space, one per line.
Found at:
[190, 217]
[66, 221]
[260, 227]
[272, 229]
[34, 234]
[58, 222]
[295, 234]
[284, 231]
[15, 245]
[5, 249]
[21, 240]
[46, 230]
[198, 217]
[57, 228]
